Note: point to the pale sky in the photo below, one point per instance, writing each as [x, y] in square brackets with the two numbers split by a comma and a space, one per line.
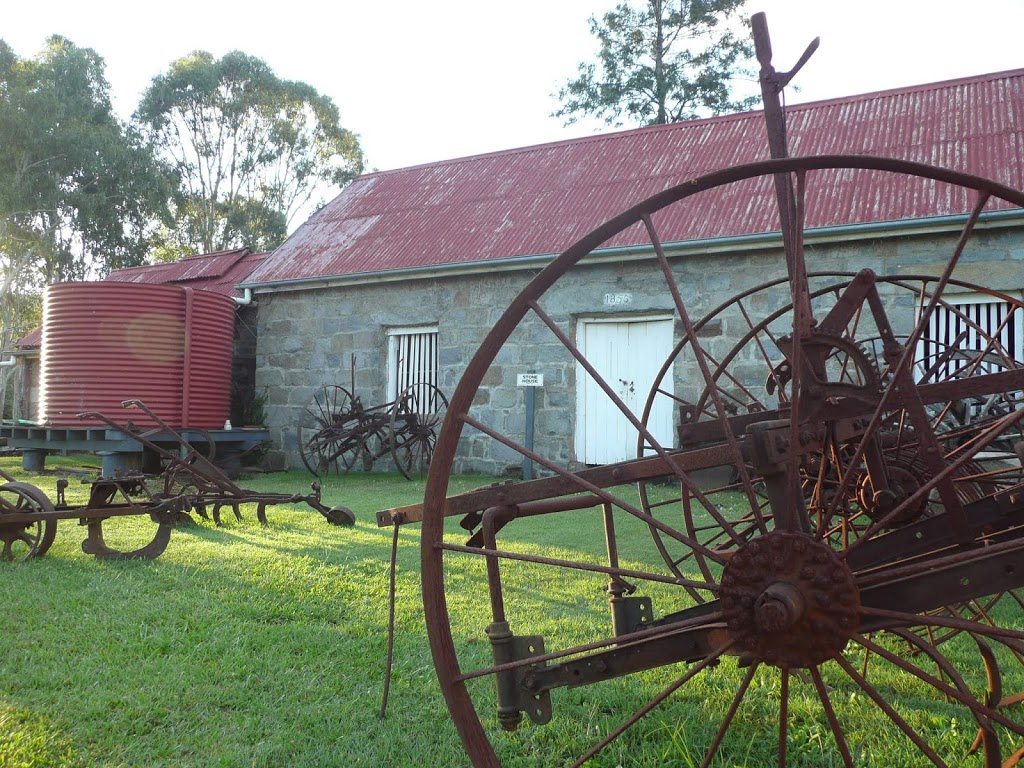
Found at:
[427, 80]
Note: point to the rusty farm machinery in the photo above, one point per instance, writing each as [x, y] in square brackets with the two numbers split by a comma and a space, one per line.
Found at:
[189, 483]
[336, 432]
[835, 536]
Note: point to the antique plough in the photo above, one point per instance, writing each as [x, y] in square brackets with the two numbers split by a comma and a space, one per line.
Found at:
[337, 432]
[189, 483]
[838, 528]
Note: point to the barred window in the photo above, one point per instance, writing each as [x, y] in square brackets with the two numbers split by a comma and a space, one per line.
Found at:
[970, 334]
[412, 358]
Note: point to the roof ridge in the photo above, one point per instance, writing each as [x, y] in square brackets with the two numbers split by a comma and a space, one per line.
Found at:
[915, 88]
[719, 119]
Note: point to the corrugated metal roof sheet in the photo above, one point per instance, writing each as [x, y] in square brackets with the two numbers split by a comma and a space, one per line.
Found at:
[217, 272]
[539, 200]
[31, 340]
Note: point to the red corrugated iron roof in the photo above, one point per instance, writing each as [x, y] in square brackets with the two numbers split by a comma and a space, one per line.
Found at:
[539, 200]
[31, 340]
[217, 272]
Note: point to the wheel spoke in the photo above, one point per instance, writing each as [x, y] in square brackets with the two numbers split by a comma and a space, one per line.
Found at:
[783, 716]
[729, 716]
[892, 714]
[647, 708]
[690, 335]
[902, 619]
[573, 565]
[830, 714]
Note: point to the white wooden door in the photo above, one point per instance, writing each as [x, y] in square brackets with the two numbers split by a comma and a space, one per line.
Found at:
[628, 356]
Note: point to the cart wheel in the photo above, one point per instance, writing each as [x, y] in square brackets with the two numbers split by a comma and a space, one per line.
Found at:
[760, 610]
[329, 434]
[24, 540]
[205, 447]
[415, 418]
[340, 515]
[851, 365]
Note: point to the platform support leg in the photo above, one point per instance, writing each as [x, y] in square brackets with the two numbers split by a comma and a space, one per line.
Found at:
[33, 459]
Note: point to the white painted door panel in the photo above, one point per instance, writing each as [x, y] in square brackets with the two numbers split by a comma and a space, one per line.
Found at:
[628, 356]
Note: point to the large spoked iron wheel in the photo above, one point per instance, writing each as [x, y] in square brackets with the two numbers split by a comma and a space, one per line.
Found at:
[329, 434]
[25, 539]
[852, 368]
[415, 418]
[833, 516]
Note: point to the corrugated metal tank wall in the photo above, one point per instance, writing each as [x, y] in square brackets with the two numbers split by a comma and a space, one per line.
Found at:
[107, 342]
[208, 360]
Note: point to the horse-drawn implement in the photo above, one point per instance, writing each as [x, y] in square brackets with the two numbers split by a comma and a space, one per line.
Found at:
[337, 432]
[189, 483]
[841, 515]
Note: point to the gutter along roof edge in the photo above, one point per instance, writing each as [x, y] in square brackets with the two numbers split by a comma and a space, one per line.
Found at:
[823, 235]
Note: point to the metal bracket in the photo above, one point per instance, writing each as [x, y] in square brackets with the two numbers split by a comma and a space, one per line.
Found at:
[535, 703]
[519, 689]
[630, 613]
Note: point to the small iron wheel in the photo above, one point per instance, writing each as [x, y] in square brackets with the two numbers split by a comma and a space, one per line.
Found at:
[24, 540]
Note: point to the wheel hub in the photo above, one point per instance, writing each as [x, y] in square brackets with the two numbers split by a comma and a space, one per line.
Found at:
[789, 600]
[903, 484]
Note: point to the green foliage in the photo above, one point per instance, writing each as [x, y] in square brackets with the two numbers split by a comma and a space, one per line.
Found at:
[249, 149]
[662, 61]
[79, 191]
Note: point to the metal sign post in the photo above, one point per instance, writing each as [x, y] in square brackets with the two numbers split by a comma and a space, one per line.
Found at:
[530, 381]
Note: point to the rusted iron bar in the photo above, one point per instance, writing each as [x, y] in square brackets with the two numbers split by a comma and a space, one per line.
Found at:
[213, 487]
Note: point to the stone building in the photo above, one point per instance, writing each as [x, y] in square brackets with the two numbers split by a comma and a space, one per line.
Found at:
[401, 277]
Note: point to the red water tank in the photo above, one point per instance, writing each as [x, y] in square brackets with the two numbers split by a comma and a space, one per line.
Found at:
[106, 342]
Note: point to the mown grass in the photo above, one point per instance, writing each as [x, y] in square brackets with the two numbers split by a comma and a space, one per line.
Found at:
[248, 645]
[240, 646]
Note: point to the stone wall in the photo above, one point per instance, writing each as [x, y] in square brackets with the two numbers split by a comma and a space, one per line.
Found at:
[332, 335]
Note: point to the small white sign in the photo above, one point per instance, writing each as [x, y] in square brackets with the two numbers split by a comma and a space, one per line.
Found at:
[618, 299]
[530, 379]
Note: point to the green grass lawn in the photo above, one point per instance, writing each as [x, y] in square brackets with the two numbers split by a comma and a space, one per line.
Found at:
[248, 645]
[240, 646]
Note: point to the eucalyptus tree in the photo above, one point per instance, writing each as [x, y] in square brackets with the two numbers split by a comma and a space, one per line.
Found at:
[250, 150]
[662, 61]
[80, 193]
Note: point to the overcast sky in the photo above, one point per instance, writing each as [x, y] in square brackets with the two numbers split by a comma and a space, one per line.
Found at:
[427, 80]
